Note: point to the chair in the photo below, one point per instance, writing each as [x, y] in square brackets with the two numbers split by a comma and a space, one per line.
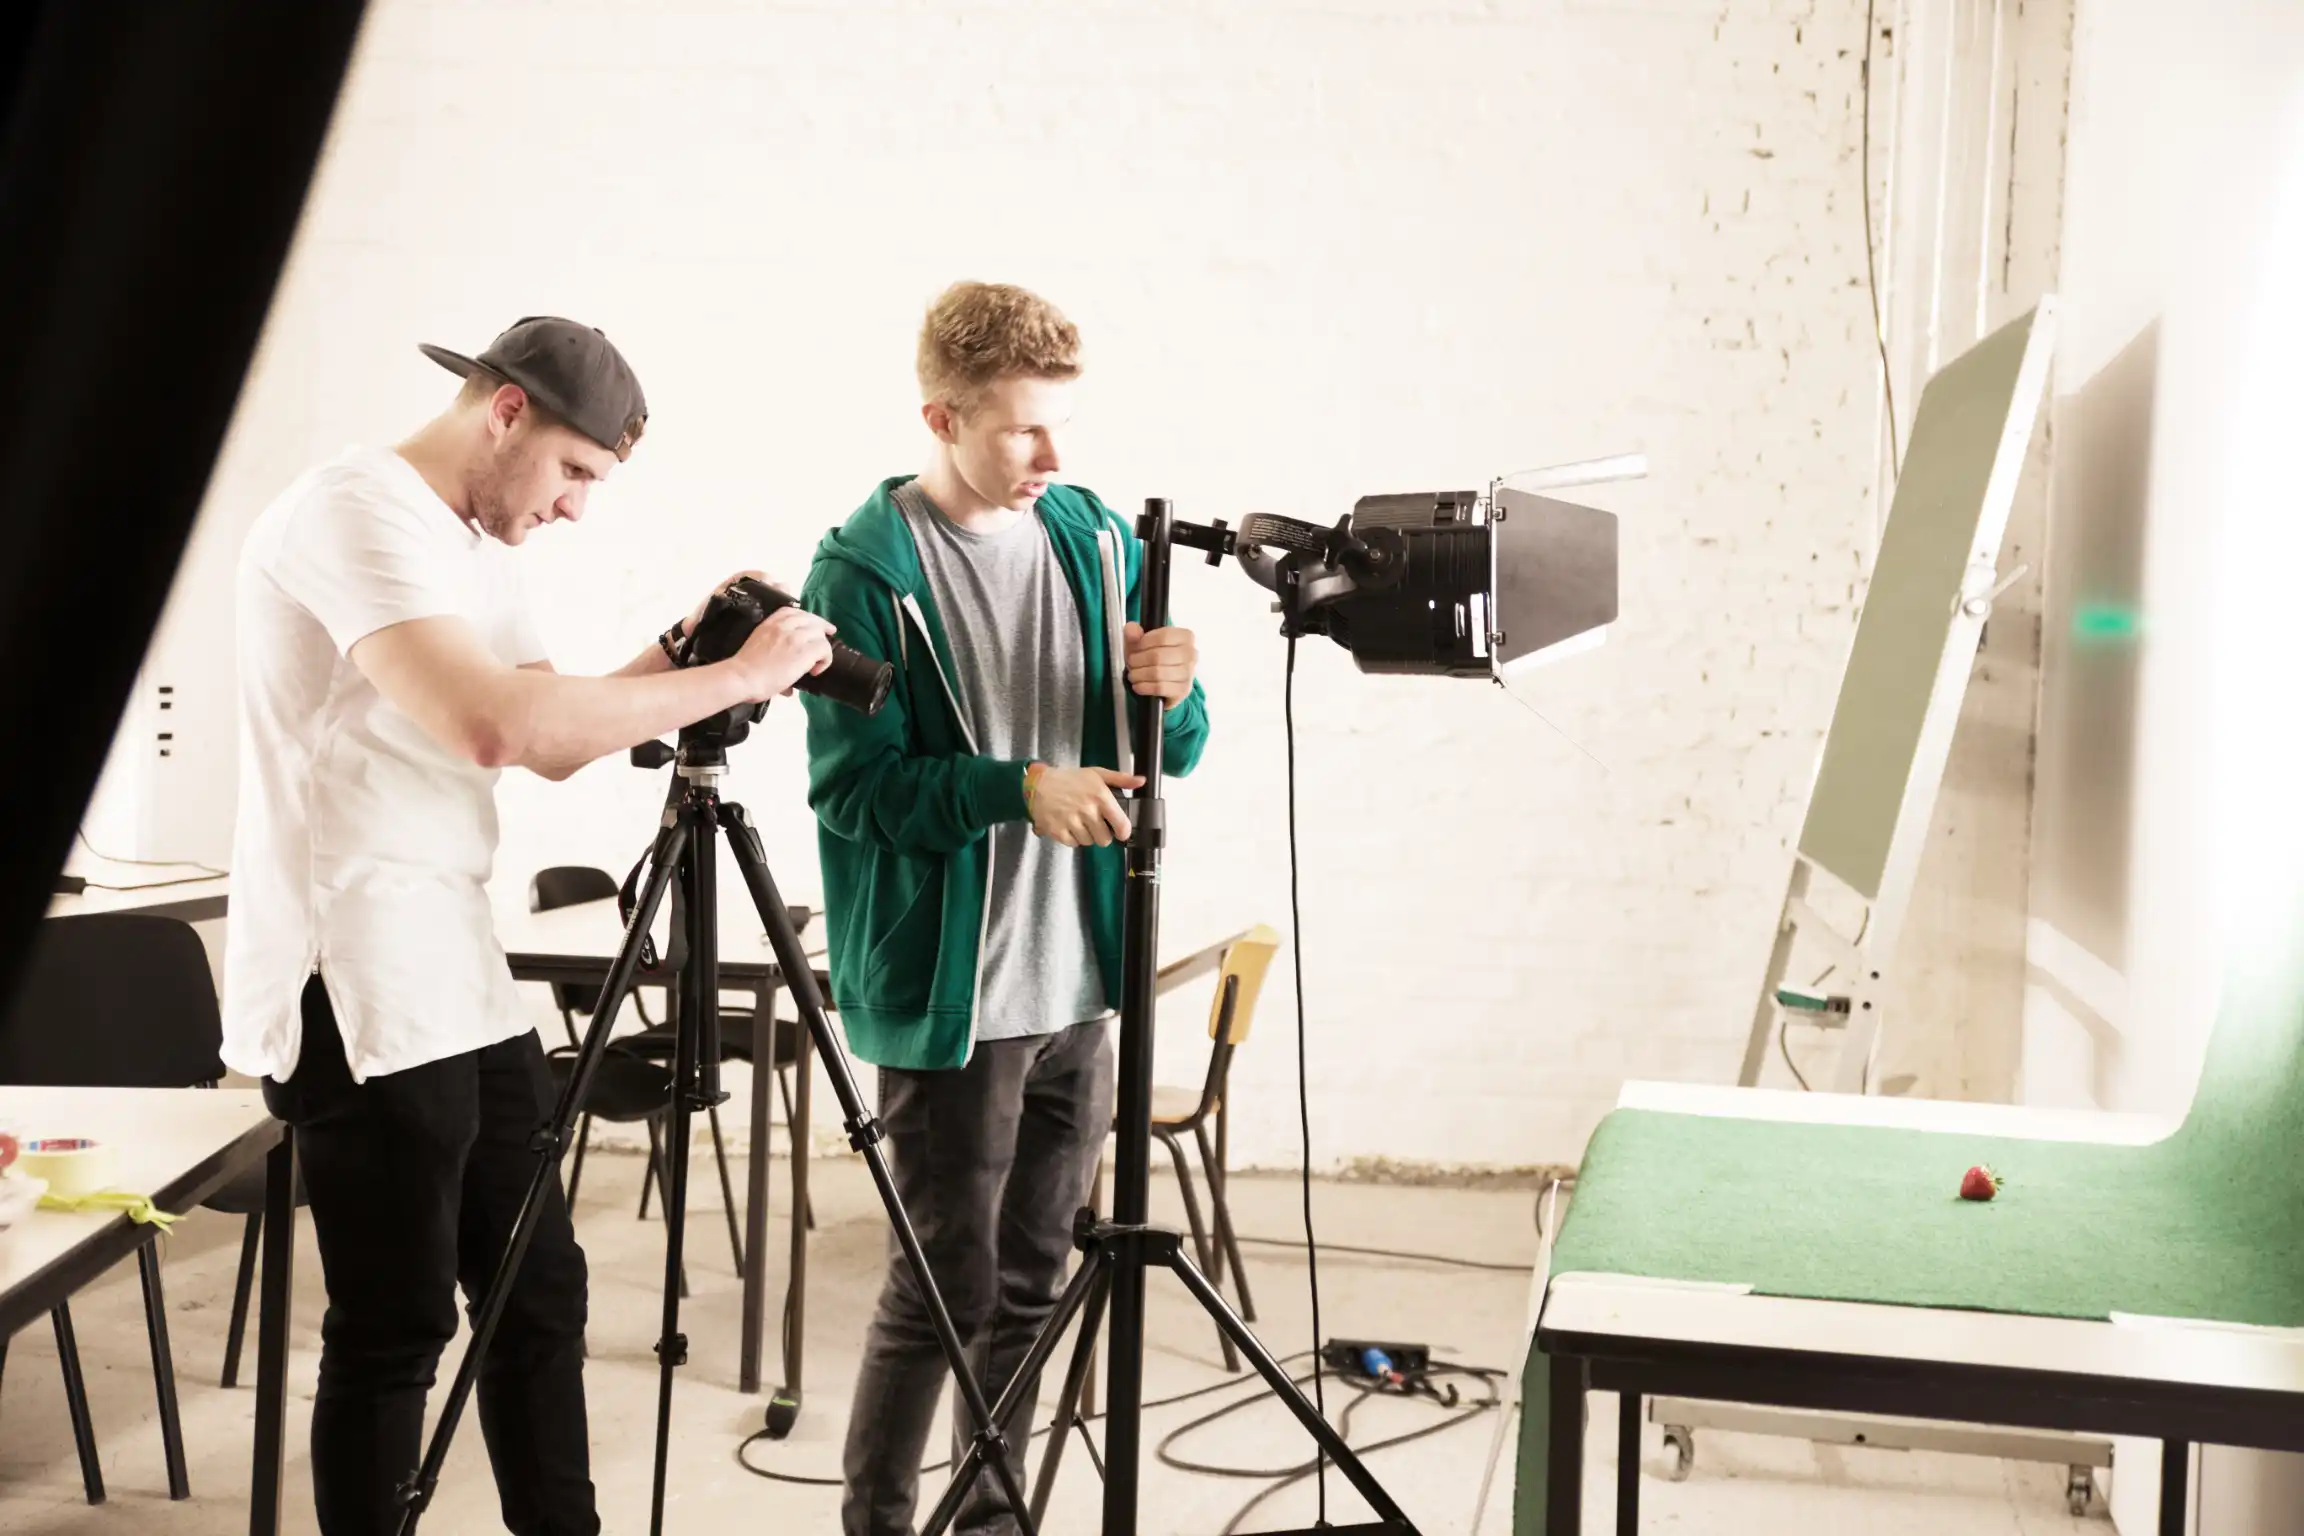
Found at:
[1240, 963]
[658, 1041]
[627, 1088]
[127, 1000]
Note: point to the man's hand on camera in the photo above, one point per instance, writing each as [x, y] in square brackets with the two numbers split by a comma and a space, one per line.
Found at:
[688, 625]
[1076, 806]
[788, 645]
[1161, 661]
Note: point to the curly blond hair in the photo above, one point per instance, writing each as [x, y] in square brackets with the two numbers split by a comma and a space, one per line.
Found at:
[977, 334]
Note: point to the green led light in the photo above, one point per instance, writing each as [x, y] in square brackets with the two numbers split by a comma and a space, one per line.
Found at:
[2106, 621]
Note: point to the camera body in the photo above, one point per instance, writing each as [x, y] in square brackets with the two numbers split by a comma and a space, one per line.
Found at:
[853, 678]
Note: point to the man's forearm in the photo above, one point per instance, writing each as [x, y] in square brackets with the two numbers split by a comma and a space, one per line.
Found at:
[555, 725]
[648, 663]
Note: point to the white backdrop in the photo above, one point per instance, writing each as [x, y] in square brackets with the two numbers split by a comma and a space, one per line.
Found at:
[1316, 251]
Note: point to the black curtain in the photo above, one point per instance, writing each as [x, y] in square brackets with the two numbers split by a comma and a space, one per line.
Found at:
[154, 156]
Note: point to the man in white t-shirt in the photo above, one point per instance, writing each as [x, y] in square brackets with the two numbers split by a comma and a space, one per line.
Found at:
[388, 673]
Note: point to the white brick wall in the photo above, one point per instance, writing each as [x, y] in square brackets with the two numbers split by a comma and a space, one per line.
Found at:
[1317, 250]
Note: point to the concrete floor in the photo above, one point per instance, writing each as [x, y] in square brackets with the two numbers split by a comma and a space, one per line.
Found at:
[1740, 1483]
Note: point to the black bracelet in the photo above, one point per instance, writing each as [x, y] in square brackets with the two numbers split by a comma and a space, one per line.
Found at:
[669, 643]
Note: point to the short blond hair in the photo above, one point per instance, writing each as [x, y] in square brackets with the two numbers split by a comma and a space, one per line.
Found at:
[977, 334]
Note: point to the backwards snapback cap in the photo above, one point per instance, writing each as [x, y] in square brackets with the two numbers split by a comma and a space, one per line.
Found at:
[571, 370]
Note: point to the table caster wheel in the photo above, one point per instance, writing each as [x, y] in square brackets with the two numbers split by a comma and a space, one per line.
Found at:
[783, 1410]
[1680, 1440]
[2079, 1487]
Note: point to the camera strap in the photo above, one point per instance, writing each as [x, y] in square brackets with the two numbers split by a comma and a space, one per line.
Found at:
[628, 901]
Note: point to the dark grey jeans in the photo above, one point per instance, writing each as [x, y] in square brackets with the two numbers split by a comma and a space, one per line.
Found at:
[992, 1160]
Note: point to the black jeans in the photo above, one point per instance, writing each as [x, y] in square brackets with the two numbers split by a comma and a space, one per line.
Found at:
[415, 1179]
[992, 1160]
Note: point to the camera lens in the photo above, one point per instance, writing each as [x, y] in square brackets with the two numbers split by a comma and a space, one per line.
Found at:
[853, 678]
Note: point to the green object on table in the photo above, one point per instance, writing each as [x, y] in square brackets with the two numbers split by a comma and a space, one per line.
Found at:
[137, 1208]
[2213, 1213]
[1861, 1214]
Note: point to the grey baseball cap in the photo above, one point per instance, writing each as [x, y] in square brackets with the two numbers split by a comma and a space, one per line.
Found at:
[571, 370]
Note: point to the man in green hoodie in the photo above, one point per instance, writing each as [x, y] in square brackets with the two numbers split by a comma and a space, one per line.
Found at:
[970, 836]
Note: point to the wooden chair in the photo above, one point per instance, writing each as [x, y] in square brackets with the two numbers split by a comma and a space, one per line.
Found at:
[1203, 1113]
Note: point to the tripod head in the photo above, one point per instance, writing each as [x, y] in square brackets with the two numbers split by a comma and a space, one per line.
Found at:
[701, 750]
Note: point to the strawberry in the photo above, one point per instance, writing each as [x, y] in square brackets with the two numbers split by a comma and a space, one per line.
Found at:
[1980, 1183]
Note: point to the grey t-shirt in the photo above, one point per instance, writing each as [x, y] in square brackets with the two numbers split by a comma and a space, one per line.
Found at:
[1014, 628]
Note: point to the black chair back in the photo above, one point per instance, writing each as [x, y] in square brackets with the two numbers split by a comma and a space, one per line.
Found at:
[114, 1000]
[570, 885]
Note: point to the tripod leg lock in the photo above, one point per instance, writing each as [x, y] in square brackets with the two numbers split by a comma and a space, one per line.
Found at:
[545, 1144]
[411, 1496]
[865, 1131]
[674, 1348]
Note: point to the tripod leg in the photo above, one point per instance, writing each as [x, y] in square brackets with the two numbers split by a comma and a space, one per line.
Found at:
[576, 1167]
[655, 1180]
[1077, 1379]
[695, 1084]
[1086, 1289]
[550, 1142]
[864, 1133]
[1276, 1377]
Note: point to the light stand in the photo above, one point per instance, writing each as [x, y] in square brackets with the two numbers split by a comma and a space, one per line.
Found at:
[686, 846]
[1116, 1253]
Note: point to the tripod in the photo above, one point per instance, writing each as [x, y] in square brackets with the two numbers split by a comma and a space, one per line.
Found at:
[686, 847]
[1116, 1253]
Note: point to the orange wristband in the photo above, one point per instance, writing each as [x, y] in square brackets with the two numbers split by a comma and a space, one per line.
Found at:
[1032, 772]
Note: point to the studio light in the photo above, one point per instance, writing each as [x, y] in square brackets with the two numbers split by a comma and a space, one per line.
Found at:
[1444, 583]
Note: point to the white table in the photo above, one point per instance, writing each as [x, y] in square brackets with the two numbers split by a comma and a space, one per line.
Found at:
[577, 944]
[2177, 1383]
[164, 891]
[179, 1146]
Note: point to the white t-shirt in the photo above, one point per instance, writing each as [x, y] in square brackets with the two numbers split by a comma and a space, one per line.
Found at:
[362, 847]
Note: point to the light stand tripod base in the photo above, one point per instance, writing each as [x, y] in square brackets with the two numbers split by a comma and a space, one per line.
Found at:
[1117, 1253]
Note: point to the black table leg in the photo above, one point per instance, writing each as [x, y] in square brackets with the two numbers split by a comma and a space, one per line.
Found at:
[163, 1368]
[1564, 1449]
[76, 1404]
[1627, 1463]
[272, 1337]
[2175, 1486]
[796, 1285]
[756, 1190]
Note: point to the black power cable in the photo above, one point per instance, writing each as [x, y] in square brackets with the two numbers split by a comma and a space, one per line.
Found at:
[1287, 1477]
[207, 872]
[1229, 1383]
[1407, 1255]
[1303, 1080]
[1871, 270]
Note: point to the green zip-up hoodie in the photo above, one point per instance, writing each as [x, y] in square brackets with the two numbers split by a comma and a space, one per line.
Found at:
[903, 800]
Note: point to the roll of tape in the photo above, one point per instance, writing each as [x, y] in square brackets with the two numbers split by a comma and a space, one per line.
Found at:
[72, 1165]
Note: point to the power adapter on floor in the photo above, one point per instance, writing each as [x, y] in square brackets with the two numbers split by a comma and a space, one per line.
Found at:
[1376, 1359]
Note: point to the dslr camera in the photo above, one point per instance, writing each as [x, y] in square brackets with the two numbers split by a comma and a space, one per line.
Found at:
[853, 678]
